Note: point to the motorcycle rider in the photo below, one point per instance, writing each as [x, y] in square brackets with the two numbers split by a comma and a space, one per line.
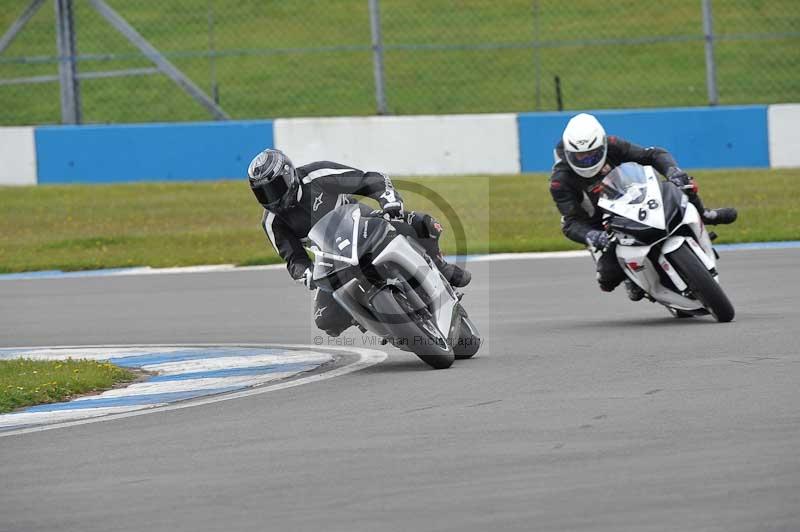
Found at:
[294, 199]
[583, 157]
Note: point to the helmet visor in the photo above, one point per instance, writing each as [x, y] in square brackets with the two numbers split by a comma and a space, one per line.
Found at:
[586, 159]
[270, 193]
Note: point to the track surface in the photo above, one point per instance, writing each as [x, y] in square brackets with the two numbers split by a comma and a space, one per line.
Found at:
[584, 412]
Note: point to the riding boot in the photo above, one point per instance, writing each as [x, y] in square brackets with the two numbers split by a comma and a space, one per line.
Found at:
[634, 291]
[721, 216]
[457, 276]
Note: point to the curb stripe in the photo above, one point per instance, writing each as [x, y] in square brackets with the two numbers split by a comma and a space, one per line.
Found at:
[129, 400]
[159, 358]
[235, 372]
[91, 409]
[185, 373]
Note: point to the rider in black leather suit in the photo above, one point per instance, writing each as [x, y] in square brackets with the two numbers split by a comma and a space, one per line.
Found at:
[294, 199]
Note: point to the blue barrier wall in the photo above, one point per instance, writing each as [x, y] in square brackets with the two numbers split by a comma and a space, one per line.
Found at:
[149, 152]
[703, 137]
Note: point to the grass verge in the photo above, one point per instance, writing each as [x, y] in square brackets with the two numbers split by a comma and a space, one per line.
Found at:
[26, 382]
[73, 227]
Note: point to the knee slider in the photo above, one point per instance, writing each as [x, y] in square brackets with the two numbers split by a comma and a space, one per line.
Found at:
[433, 227]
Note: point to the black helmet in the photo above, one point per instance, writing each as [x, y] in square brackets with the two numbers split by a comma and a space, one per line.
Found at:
[273, 179]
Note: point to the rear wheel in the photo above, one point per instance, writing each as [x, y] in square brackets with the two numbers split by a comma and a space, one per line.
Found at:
[702, 284]
[413, 332]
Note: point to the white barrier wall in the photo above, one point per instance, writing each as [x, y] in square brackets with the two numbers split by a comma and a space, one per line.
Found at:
[17, 156]
[406, 145]
[783, 121]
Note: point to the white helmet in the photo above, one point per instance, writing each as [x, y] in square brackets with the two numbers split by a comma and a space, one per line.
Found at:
[585, 145]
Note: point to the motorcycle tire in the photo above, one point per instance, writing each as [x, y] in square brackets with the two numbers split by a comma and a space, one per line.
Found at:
[468, 341]
[431, 350]
[700, 281]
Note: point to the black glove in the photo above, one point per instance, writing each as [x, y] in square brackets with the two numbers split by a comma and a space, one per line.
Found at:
[393, 209]
[680, 179]
[597, 239]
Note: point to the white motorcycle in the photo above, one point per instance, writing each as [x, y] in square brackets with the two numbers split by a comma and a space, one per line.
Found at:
[662, 243]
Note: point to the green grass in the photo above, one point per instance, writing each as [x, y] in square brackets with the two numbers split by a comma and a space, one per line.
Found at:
[75, 227]
[313, 58]
[26, 382]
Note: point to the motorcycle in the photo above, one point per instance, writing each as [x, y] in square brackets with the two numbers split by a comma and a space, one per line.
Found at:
[390, 286]
[662, 243]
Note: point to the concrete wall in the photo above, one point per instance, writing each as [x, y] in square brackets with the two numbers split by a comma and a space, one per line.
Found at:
[17, 156]
[406, 145]
[784, 135]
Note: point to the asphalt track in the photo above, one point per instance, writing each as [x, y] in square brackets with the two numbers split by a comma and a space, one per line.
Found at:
[584, 412]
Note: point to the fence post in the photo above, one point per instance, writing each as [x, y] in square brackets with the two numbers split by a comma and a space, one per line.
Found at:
[67, 67]
[711, 65]
[212, 49]
[537, 59]
[377, 55]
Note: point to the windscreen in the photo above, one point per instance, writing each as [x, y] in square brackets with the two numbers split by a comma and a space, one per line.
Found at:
[333, 229]
[626, 181]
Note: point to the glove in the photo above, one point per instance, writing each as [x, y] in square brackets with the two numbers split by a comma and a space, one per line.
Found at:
[681, 179]
[597, 239]
[307, 279]
[393, 210]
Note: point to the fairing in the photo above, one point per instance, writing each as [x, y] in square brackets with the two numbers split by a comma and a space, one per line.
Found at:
[652, 218]
[345, 236]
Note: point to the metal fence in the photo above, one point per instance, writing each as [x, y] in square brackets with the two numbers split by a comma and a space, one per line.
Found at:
[97, 61]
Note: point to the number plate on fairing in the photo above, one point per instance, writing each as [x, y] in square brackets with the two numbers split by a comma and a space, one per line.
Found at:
[641, 202]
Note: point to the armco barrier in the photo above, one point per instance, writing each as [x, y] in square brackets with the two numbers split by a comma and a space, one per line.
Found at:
[703, 137]
[148, 152]
[407, 145]
[17, 156]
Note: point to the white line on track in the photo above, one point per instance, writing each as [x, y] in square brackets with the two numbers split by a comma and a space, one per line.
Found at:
[537, 255]
[366, 358]
[214, 268]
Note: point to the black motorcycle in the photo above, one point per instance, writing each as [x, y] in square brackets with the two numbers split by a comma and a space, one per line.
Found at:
[390, 286]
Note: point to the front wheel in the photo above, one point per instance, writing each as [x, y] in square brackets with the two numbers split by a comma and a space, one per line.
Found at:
[700, 281]
[411, 333]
